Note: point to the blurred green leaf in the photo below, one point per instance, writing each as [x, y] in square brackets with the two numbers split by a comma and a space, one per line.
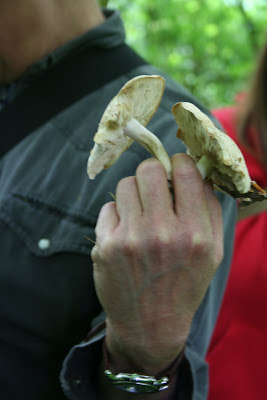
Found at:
[103, 3]
[210, 46]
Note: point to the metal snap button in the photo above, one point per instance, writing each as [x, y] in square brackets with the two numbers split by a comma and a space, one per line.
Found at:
[44, 244]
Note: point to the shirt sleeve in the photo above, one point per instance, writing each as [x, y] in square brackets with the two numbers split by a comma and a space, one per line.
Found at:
[78, 374]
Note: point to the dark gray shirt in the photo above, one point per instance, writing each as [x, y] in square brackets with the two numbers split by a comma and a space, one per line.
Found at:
[48, 209]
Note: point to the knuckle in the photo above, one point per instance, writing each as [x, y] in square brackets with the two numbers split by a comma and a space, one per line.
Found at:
[104, 252]
[152, 240]
[202, 246]
[162, 241]
[94, 254]
[131, 245]
[197, 243]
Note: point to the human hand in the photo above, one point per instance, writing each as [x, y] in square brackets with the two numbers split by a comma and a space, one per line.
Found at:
[153, 261]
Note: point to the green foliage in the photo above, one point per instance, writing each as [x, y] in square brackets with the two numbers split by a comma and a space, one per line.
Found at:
[103, 3]
[210, 46]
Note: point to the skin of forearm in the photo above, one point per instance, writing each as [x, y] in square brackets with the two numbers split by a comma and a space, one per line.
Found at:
[132, 360]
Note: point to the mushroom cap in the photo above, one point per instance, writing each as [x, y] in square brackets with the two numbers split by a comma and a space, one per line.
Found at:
[202, 137]
[139, 98]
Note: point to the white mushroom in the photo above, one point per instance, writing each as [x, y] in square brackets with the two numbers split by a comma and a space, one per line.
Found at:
[124, 121]
[216, 155]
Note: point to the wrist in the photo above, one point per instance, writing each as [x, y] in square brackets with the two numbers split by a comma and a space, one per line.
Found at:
[134, 355]
[138, 382]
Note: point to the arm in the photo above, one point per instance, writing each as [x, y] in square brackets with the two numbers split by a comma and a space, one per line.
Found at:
[153, 262]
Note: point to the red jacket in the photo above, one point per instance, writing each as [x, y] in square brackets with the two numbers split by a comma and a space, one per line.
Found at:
[238, 350]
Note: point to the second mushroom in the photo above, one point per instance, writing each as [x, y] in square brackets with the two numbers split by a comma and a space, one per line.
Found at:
[216, 155]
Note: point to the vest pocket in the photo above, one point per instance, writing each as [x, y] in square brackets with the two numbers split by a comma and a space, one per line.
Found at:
[46, 229]
[47, 292]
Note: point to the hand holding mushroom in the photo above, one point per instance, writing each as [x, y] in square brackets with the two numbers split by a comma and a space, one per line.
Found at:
[155, 255]
[153, 261]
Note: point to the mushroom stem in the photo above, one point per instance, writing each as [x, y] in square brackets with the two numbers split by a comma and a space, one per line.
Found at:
[204, 165]
[150, 142]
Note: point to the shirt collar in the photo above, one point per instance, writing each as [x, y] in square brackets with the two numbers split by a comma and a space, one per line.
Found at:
[109, 34]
